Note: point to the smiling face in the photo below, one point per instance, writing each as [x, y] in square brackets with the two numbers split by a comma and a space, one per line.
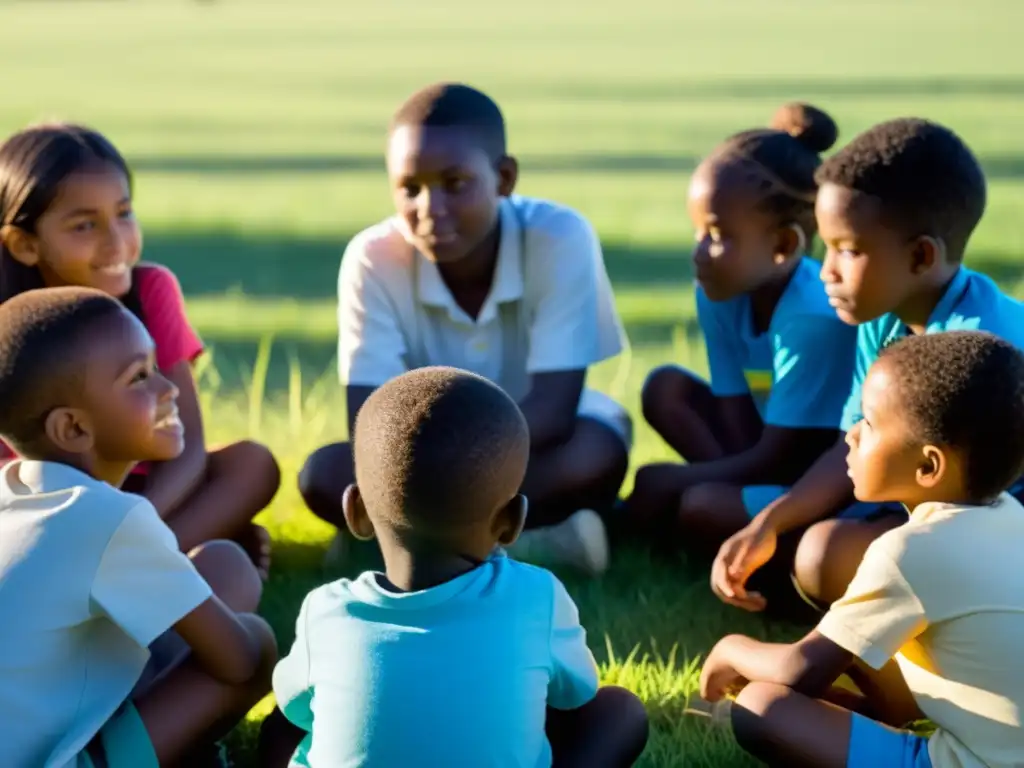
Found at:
[88, 236]
[446, 189]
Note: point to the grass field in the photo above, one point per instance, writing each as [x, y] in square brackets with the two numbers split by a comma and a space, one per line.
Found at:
[256, 132]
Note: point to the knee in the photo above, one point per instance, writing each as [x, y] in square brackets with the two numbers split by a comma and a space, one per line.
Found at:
[812, 556]
[320, 474]
[700, 502]
[753, 712]
[230, 573]
[627, 711]
[665, 384]
[259, 464]
[599, 459]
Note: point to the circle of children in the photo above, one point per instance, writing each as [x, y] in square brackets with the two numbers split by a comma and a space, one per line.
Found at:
[858, 449]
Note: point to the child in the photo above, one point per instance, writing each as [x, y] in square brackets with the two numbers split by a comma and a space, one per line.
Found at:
[455, 655]
[896, 209]
[89, 575]
[66, 219]
[941, 596]
[511, 288]
[780, 359]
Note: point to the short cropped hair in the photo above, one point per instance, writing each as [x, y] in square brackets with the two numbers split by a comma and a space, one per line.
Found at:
[927, 179]
[965, 390]
[438, 447]
[780, 161]
[42, 354]
[454, 105]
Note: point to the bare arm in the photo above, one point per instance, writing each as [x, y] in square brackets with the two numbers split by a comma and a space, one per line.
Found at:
[550, 406]
[220, 643]
[808, 666]
[355, 396]
[823, 489]
[169, 483]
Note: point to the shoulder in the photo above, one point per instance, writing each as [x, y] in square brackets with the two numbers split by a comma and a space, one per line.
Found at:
[553, 229]
[526, 584]
[996, 311]
[155, 280]
[379, 252]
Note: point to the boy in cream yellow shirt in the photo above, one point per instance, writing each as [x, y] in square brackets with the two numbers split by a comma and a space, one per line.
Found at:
[932, 625]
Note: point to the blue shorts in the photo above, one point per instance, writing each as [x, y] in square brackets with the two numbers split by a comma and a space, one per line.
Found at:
[873, 745]
[757, 497]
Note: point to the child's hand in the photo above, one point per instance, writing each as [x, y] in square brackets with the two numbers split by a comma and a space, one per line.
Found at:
[718, 678]
[737, 560]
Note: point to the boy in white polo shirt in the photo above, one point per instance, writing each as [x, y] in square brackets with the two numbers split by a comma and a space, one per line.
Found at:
[91, 576]
[933, 623]
[511, 288]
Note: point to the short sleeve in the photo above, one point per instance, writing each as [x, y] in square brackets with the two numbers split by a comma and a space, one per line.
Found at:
[573, 320]
[144, 583]
[879, 614]
[869, 346]
[574, 673]
[371, 347]
[724, 361]
[292, 684]
[813, 366]
[163, 312]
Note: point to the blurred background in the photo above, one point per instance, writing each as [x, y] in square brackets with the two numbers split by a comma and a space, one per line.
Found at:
[256, 133]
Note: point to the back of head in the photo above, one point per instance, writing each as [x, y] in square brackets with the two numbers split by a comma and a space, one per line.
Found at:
[926, 178]
[437, 448]
[42, 351]
[454, 105]
[33, 164]
[965, 390]
[780, 161]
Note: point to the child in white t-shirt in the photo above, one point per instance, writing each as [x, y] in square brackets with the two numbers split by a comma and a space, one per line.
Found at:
[933, 622]
[90, 577]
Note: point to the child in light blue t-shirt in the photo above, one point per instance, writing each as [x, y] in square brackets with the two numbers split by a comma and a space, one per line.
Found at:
[456, 654]
[780, 359]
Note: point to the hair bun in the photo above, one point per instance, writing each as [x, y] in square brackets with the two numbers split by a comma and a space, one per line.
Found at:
[809, 125]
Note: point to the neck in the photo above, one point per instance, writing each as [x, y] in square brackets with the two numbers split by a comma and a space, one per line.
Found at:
[765, 298]
[476, 269]
[916, 311]
[412, 572]
[110, 472]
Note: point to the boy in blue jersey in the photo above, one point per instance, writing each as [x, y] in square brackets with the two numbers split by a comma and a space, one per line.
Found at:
[896, 208]
[780, 359]
[456, 655]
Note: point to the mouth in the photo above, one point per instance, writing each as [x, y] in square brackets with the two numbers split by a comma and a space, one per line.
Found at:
[443, 238]
[114, 270]
[170, 422]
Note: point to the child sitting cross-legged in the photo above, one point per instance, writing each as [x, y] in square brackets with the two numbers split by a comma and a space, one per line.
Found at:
[933, 622]
[456, 655]
[90, 576]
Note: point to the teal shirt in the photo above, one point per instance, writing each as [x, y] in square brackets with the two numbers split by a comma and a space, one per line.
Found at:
[457, 675]
[972, 302]
[798, 371]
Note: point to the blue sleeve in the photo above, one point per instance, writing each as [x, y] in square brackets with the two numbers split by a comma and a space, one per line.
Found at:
[724, 361]
[573, 672]
[293, 688]
[812, 365]
[869, 346]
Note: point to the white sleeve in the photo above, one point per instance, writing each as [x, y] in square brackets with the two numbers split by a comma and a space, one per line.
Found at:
[574, 321]
[144, 583]
[574, 674]
[371, 347]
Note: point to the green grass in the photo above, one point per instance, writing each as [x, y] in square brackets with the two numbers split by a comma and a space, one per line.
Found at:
[256, 132]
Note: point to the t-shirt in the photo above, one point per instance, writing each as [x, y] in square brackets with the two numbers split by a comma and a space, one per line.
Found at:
[163, 314]
[944, 596]
[972, 302]
[799, 370]
[550, 307]
[460, 674]
[89, 577]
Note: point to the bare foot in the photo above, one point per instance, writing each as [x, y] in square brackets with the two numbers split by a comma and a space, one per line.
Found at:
[255, 540]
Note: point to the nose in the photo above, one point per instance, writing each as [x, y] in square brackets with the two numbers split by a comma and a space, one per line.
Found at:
[828, 273]
[852, 435]
[168, 390]
[114, 240]
[431, 204]
[701, 255]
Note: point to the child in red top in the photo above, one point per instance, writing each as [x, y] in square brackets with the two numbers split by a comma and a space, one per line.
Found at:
[66, 219]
